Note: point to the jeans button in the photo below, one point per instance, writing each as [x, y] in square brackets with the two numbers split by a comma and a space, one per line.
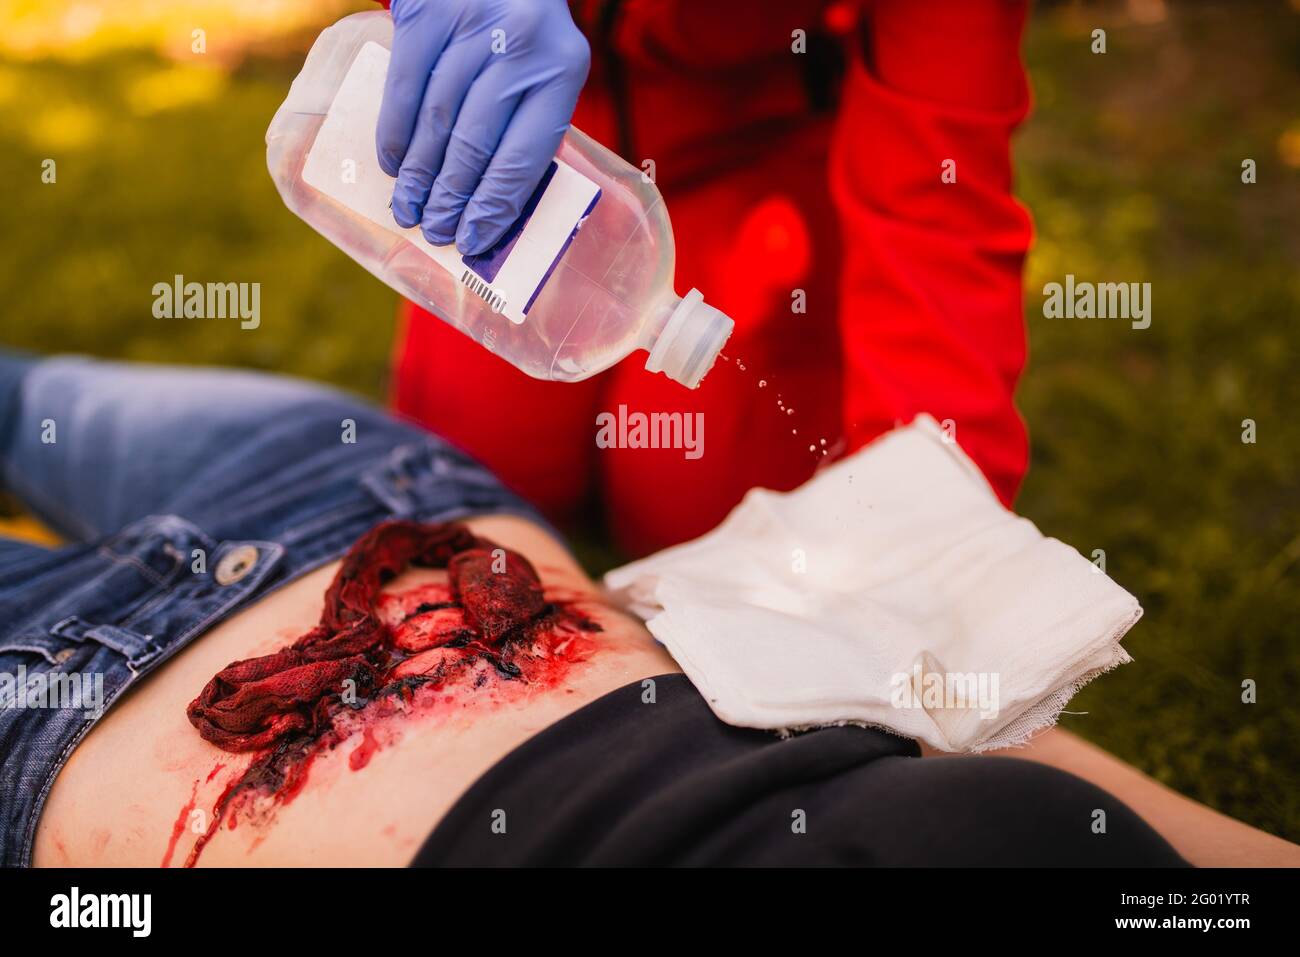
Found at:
[235, 564]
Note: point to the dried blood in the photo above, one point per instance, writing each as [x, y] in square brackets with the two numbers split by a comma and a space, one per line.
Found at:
[290, 706]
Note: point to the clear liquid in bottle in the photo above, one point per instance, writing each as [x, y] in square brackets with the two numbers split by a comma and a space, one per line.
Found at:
[584, 278]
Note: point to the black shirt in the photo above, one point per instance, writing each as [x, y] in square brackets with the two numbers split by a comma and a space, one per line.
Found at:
[641, 779]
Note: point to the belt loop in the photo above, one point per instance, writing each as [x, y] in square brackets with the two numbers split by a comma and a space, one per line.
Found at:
[137, 649]
[393, 481]
[72, 628]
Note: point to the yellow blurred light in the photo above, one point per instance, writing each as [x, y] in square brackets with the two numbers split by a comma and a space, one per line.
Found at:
[1288, 146]
[63, 127]
[24, 528]
[173, 87]
[78, 29]
[9, 85]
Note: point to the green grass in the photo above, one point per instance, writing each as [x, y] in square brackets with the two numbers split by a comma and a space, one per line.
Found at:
[182, 190]
[1131, 166]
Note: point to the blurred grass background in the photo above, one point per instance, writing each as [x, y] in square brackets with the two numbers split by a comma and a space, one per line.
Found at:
[1131, 165]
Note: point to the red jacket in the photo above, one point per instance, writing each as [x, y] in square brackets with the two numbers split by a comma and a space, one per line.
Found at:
[814, 176]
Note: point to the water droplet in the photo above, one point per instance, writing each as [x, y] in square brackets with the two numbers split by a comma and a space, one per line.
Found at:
[789, 411]
[762, 383]
[812, 448]
[823, 441]
[740, 365]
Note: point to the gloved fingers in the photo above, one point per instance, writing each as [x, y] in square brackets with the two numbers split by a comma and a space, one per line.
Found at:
[529, 143]
[526, 150]
[444, 96]
[418, 42]
[482, 120]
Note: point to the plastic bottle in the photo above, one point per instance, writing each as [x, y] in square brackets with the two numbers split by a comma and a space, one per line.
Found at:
[598, 223]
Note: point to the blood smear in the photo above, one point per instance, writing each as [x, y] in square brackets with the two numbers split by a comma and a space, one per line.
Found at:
[485, 628]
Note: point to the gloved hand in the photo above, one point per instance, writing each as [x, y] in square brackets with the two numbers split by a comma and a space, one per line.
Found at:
[478, 97]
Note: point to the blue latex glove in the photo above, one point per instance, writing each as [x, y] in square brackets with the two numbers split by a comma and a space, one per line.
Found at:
[478, 97]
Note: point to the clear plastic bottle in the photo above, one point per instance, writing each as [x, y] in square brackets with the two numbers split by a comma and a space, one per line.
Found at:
[608, 291]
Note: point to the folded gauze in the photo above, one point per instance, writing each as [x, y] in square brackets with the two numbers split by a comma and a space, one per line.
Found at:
[892, 590]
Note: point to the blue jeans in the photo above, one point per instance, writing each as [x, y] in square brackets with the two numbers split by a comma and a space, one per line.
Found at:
[186, 494]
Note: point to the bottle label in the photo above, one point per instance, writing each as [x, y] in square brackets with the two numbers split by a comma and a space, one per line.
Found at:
[509, 276]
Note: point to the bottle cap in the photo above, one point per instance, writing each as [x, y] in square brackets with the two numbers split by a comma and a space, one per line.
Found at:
[690, 341]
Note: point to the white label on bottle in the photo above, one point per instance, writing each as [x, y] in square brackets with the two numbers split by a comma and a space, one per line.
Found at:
[508, 277]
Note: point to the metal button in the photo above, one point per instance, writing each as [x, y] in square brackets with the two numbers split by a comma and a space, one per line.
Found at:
[63, 656]
[235, 564]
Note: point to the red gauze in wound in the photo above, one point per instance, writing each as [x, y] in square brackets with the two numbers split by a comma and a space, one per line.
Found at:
[252, 704]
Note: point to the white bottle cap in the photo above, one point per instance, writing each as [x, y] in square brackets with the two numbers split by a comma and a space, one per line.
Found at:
[690, 341]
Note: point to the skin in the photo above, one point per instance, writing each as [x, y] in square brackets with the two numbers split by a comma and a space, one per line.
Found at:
[118, 798]
[141, 774]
